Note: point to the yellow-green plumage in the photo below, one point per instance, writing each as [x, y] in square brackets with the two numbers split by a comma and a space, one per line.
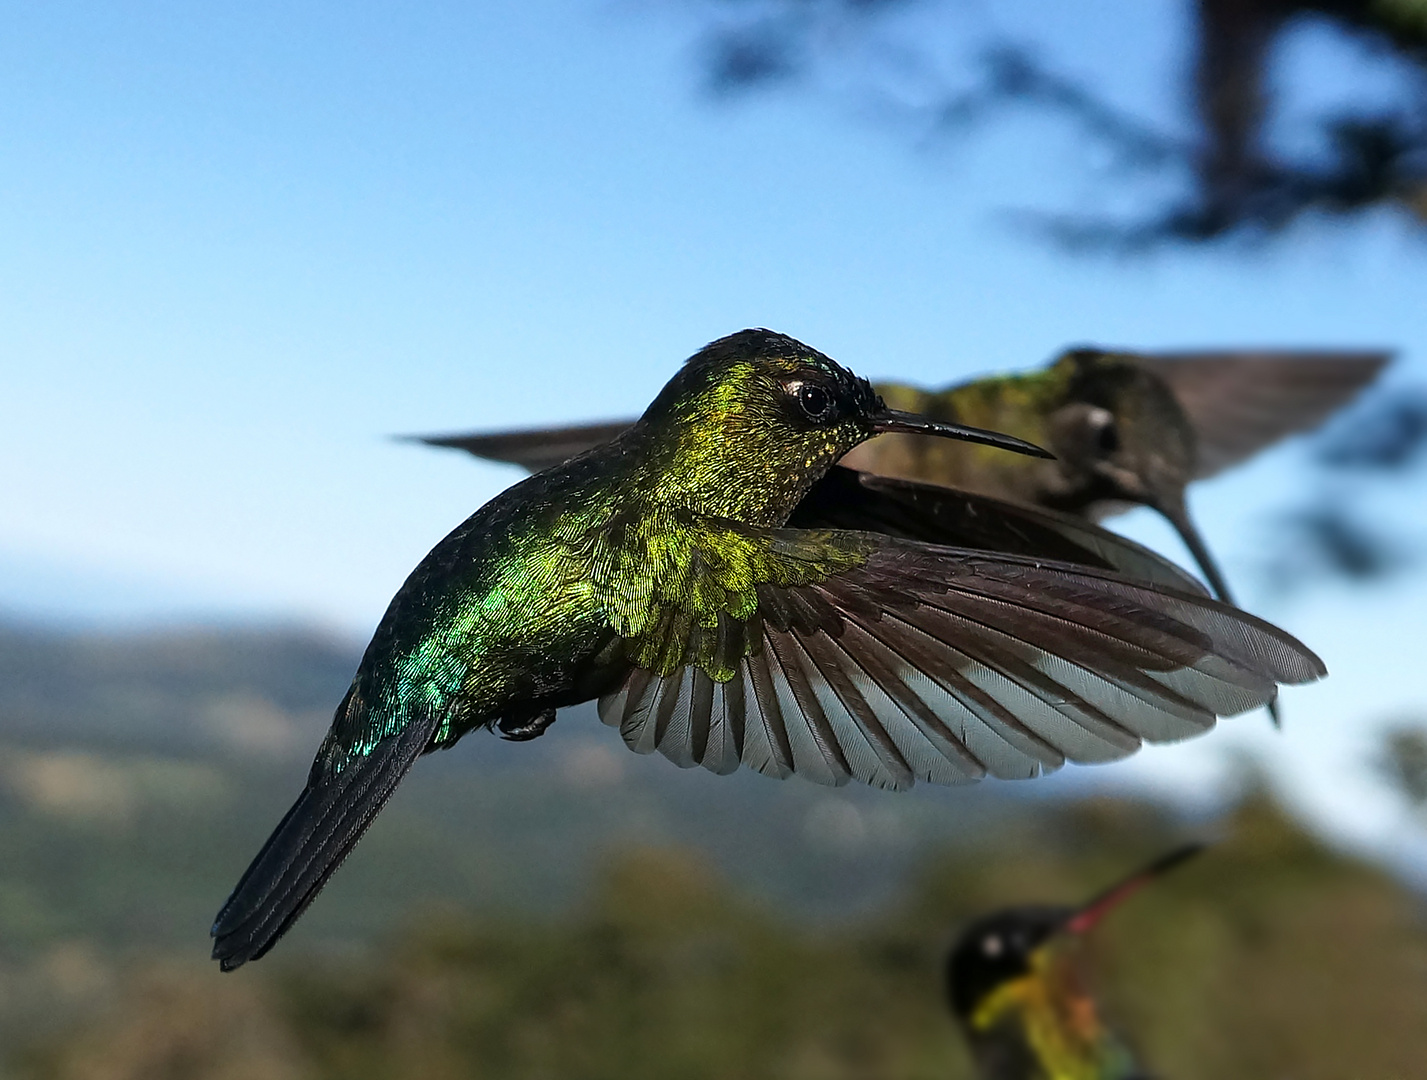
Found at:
[1059, 1023]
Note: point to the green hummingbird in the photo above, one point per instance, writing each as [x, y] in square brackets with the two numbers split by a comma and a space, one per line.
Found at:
[1126, 429]
[730, 598]
[1014, 989]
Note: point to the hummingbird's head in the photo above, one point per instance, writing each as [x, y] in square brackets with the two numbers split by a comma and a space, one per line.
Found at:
[1121, 429]
[996, 952]
[752, 420]
[1122, 436]
[996, 959]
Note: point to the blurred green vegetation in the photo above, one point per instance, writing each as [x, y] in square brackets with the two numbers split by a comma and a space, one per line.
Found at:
[1269, 957]
[1403, 761]
[569, 910]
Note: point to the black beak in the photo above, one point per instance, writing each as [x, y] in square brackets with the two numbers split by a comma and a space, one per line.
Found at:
[887, 420]
[1173, 508]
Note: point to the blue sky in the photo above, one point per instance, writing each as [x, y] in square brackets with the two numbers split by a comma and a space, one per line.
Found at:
[241, 244]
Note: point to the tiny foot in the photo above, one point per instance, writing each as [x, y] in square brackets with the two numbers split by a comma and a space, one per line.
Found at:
[518, 729]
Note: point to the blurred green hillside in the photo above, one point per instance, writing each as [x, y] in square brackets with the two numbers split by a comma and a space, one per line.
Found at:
[566, 909]
[139, 774]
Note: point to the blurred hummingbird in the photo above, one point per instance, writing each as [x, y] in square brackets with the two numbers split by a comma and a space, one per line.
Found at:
[1126, 429]
[731, 598]
[1014, 989]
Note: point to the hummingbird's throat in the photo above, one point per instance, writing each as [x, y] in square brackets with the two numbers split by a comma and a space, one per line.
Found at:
[1057, 1019]
[746, 472]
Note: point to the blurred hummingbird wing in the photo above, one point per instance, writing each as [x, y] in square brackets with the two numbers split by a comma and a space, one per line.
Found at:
[531, 448]
[1241, 402]
[940, 664]
[310, 842]
[847, 499]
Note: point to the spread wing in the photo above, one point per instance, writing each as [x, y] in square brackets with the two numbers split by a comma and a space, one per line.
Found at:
[847, 499]
[915, 662]
[1241, 402]
[532, 448]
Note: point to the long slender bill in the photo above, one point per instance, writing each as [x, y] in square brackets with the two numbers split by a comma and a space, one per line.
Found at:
[893, 420]
[1090, 914]
[1173, 508]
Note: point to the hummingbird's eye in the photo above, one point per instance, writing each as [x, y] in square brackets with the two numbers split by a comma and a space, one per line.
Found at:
[1109, 438]
[1104, 430]
[815, 401]
[991, 945]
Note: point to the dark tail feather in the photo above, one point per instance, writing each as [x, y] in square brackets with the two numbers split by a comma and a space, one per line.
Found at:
[308, 845]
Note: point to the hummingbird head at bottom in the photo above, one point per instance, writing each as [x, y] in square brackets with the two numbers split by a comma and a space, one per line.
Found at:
[1011, 974]
[998, 950]
[752, 420]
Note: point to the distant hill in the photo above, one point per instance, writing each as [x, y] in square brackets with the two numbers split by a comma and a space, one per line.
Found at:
[198, 692]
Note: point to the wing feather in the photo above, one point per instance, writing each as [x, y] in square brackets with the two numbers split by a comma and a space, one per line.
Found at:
[941, 665]
[531, 448]
[767, 746]
[928, 747]
[726, 742]
[854, 700]
[673, 718]
[911, 510]
[995, 739]
[822, 755]
[1241, 402]
[701, 710]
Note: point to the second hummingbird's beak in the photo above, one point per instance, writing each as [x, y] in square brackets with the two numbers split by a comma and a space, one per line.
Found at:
[1084, 918]
[1173, 508]
[893, 420]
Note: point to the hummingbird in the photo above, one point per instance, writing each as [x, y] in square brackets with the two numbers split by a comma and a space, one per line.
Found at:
[730, 598]
[1126, 429]
[1013, 988]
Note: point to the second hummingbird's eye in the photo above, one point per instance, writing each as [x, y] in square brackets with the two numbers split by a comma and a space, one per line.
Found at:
[1102, 429]
[1109, 438]
[815, 401]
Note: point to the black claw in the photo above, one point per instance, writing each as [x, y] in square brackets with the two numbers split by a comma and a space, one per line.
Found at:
[520, 729]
